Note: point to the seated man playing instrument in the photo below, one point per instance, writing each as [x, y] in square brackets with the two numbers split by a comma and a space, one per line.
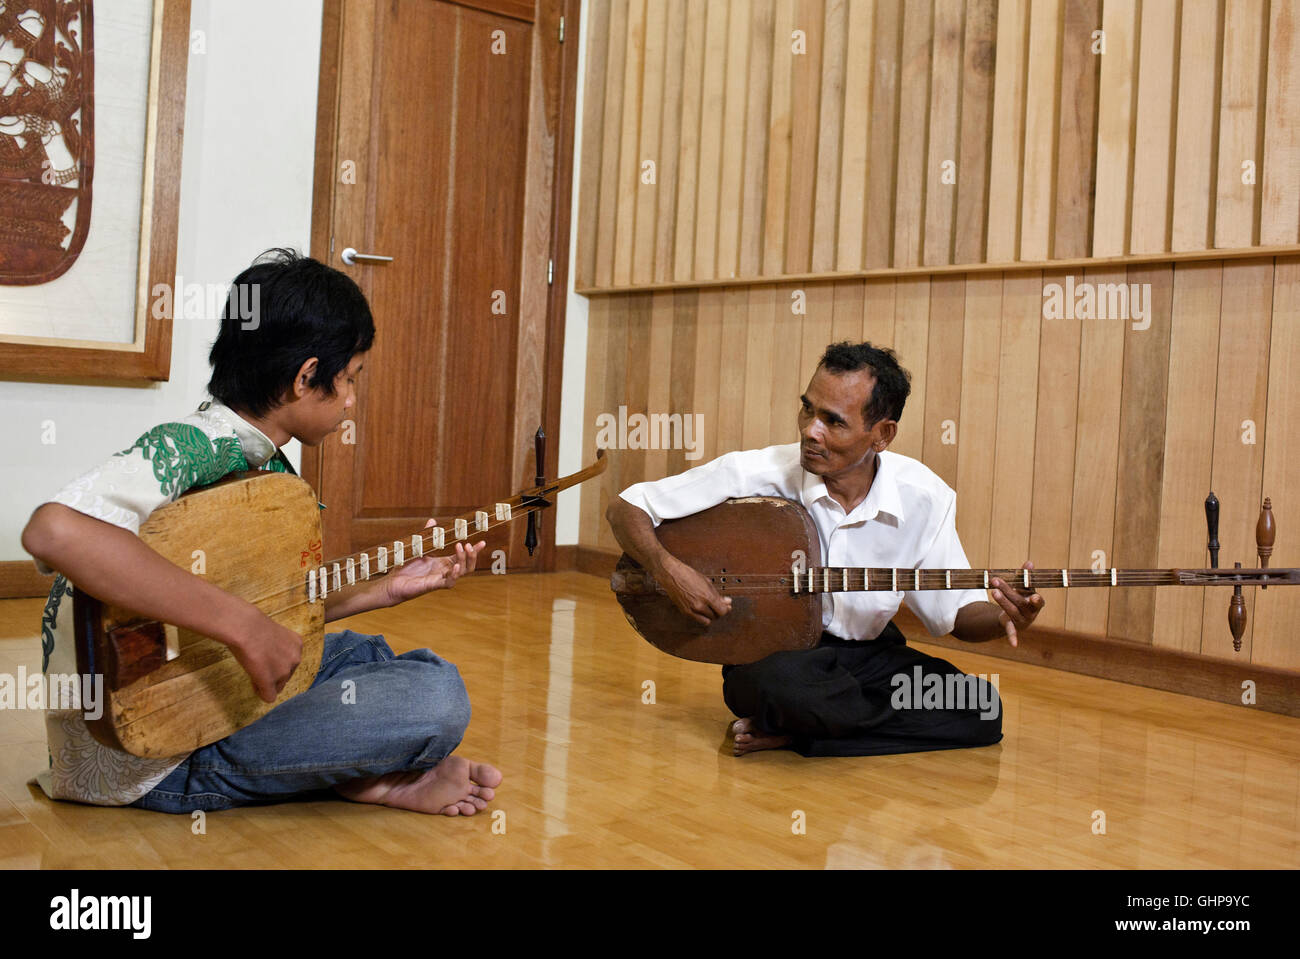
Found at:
[289, 371]
[872, 508]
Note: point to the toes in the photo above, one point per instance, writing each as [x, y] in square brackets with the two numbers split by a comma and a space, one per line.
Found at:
[466, 807]
[452, 810]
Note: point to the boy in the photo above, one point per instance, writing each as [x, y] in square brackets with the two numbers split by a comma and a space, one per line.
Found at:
[286, 371]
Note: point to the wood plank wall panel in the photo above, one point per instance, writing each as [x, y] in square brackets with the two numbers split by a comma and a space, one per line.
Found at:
[1096, 457]
[946, 76]
[913, 129]
[830, 135]
[814, 136]
[1277, 611]
[776, 201]
[1237, 474]
[629, 149]
[1142, 422]
[1153, 123]
[978, 58]
[1245, 49]
[668, 160]
[1008, 147]
[888, 33]
[733, 139]
[611, 129]
[1115, 128]
[1080, 76]
[858, 75]
[1280, 217]
[1043, 75]
[1195, 158]
[805, 133]
[761, 53]
[1054, 446]
[645, 235]
[1189, 448]
[688, 143]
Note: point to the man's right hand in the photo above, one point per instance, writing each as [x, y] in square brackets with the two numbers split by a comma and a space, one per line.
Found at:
[692, 592]
[269, 654]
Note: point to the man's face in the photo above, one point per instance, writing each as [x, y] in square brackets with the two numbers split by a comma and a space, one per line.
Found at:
[319, 413]
[834, 438]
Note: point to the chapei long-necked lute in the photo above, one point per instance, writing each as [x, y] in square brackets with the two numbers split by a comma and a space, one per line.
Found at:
[763, 552]
[170, 691]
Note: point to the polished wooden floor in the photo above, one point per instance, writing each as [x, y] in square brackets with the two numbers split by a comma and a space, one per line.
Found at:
[595, 776]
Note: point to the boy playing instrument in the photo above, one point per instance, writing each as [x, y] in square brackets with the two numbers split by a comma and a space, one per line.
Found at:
[286, 371]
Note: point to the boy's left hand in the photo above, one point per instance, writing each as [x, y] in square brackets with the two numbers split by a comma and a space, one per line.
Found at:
[428, 573]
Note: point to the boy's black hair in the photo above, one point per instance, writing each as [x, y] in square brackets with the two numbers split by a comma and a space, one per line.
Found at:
[282, 311]
[893, 383]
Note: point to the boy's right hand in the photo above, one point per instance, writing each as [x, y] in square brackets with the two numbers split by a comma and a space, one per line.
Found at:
[269, 654]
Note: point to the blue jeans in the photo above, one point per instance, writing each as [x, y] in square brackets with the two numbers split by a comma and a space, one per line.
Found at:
[367, 713]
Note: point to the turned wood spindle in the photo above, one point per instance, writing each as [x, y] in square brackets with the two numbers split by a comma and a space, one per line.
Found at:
[1265, 535]
[1237, 615]
[1212, 525]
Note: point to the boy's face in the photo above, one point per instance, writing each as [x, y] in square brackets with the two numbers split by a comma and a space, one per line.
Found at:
[314, 414]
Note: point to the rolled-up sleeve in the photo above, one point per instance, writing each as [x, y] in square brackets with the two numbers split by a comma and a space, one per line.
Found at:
[937, 608]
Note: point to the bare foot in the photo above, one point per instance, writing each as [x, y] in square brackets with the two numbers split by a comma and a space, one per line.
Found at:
[750, 738]
[454, 787]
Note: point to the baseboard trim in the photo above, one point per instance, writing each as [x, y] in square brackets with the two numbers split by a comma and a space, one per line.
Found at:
[585, 559]
[19, 580]
[1205, 677]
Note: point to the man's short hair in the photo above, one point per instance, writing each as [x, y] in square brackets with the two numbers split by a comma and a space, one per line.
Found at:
[893, 383]
[300, 308]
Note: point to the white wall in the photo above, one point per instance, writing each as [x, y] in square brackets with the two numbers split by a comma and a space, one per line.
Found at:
[575, 448]
[250, 126]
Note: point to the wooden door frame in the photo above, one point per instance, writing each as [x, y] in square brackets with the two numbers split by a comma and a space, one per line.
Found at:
[548, 13]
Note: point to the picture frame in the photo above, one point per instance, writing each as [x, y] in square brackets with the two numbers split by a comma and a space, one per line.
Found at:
[148, 356]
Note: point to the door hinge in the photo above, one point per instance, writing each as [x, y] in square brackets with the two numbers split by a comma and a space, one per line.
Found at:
[550, 272]
[561, 29]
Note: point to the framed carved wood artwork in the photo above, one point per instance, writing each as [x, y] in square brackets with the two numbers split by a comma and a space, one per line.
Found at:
[90, 162]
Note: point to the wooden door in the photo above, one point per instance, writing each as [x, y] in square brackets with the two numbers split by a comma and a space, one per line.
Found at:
[444, 141]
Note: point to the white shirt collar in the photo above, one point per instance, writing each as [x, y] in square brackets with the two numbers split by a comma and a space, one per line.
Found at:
[882, 501]
[257, 446]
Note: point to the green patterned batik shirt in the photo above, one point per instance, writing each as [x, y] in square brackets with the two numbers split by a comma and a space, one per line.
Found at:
[161, 465]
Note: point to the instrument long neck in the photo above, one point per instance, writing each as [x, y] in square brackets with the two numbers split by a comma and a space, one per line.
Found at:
[851, 579]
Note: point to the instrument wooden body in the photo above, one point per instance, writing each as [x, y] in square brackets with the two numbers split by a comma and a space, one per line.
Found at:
[754, 533]
[259, 533]
[764, 554]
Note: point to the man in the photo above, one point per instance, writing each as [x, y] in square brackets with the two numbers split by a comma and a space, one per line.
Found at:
[291, 374]
[871, 508]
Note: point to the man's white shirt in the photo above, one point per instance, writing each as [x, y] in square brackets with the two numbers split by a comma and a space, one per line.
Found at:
[906, 521]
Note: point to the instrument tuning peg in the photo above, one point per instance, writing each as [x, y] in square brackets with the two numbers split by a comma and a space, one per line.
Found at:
[1265, 535]
[1212, 525]
[1237, 615]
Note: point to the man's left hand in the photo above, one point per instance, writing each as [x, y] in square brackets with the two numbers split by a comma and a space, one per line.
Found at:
[1020, 606]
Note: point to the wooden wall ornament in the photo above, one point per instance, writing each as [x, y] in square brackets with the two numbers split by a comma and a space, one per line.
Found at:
[47, 136]
[47, 85]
